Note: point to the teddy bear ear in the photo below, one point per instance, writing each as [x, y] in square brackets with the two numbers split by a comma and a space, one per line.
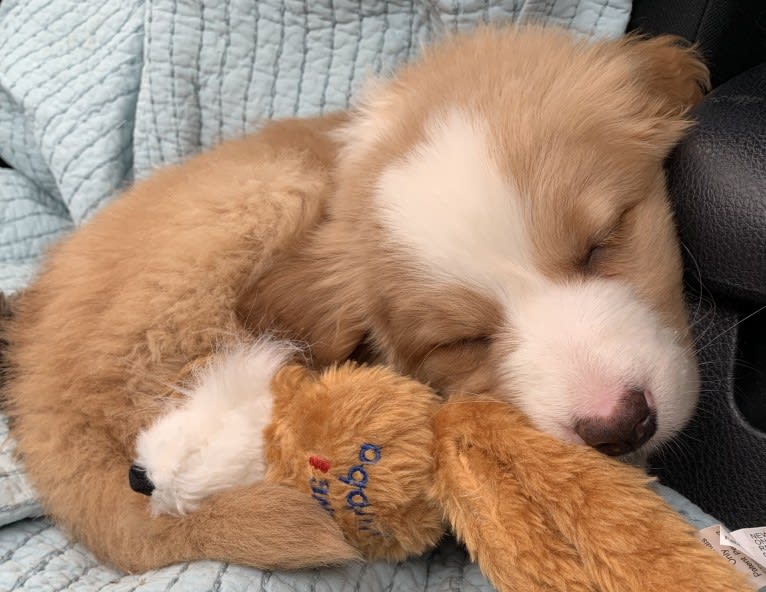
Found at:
[292, 380]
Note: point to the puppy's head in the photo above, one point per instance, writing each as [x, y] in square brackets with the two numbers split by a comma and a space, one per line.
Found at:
[511, 211]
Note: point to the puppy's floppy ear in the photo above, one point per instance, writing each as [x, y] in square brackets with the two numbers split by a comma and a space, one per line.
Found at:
[672, 69]
[669, 79]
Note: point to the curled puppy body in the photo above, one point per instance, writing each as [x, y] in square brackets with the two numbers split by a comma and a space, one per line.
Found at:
[121, 308]
[494, 217]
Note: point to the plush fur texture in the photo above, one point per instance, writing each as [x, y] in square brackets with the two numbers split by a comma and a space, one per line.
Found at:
[510, 164]
[387, 462]
[540, 514]
[215, 438]
[373, 428]
[120, 310]
[298, 232]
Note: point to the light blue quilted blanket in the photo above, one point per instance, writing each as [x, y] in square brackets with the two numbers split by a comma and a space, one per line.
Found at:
[96, 94]
[36, 556]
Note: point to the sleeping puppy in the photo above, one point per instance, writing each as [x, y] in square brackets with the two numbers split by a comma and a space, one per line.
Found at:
[494, 217]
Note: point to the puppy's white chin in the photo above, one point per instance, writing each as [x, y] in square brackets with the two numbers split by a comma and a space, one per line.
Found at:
[576, 347]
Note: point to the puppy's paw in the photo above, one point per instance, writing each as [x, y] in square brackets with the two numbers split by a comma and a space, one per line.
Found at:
[214, 440]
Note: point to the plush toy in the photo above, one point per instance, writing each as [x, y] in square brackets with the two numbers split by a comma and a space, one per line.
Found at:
[395, 467]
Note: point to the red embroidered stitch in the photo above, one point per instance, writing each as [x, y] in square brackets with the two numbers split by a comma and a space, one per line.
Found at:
[319, 463]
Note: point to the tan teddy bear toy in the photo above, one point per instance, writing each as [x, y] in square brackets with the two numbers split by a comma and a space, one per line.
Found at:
[395, 468]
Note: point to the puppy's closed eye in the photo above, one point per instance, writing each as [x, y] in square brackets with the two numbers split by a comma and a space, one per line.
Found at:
[458, 347]
[459, 365]
[600, 250]
[473, 341]
[602, 245]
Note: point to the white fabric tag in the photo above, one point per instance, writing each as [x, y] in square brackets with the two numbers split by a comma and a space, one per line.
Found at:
[751, 541]
[745, 549]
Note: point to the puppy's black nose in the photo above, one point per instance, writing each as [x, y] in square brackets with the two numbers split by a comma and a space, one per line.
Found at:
[139, 481]
[628, 428]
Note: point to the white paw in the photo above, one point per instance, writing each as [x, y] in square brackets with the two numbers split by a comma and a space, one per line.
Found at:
[214, 441]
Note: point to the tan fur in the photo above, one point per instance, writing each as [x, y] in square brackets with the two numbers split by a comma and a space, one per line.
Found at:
[539, 514]
[607, 114]
[331, 415]
[275, 233]
[121, 307]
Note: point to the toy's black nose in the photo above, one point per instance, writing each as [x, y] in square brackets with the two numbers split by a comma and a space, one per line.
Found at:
[627, 429]
[139, 481]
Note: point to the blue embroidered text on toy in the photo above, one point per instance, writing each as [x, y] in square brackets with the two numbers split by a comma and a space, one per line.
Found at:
[358, 477]
[369, 453]
[320, 491]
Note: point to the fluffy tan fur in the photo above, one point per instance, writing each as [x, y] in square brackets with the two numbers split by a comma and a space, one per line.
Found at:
[539, 514]
[607, 115]
[536, 513]
[275, 233]
[121, 307]
[331, 416]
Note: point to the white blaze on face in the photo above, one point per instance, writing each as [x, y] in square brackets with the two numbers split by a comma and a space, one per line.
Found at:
[576, 347]
[449, 205]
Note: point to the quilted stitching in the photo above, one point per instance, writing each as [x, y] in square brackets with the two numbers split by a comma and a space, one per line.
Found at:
[36, 555]
[17, 499]
[296, 57]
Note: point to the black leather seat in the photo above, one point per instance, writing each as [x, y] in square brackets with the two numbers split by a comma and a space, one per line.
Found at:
[717, 180]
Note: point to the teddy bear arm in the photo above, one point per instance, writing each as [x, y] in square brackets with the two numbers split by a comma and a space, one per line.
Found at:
[615, 532]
